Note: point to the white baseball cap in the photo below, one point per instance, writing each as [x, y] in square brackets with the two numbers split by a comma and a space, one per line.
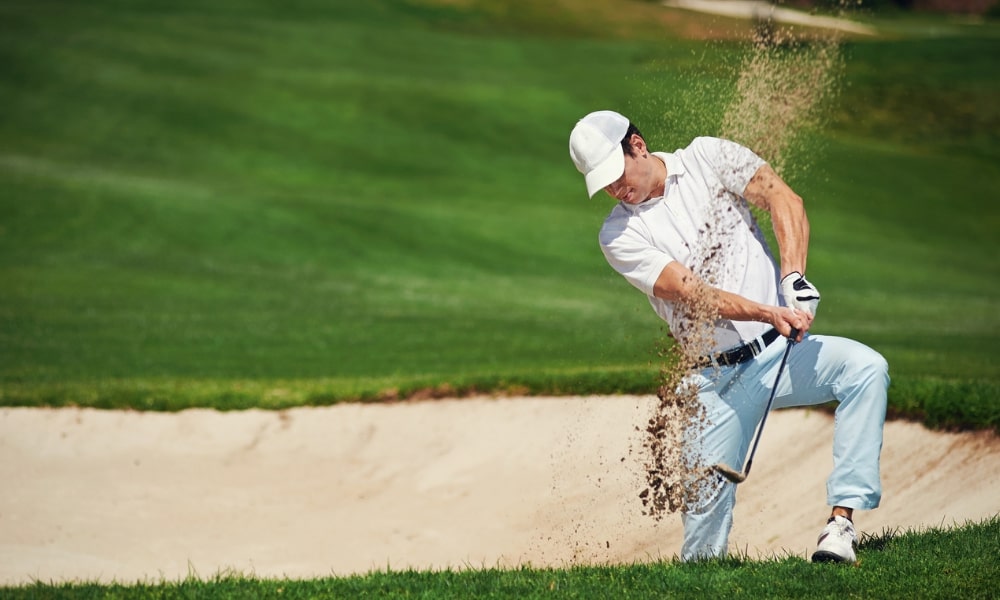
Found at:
[596, 150]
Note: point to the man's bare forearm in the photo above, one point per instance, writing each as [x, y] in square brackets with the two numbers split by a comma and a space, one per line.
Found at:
[677, 283]
[769, 192]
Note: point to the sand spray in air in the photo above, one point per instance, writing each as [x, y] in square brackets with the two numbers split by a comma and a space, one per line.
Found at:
[781, 87]
[778, 88]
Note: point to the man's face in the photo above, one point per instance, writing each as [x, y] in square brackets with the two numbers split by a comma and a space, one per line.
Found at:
[639, 182]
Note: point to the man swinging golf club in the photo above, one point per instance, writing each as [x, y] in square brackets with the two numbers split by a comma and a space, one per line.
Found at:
[676, 212]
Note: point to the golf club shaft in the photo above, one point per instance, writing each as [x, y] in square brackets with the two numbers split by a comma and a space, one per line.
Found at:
[770, 401]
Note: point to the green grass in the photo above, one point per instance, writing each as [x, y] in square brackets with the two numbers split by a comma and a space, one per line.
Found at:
[231, 239]
[251, 204]
[934, 563]
[359, 200]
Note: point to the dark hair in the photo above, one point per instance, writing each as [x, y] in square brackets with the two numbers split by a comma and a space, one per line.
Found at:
[627, 140]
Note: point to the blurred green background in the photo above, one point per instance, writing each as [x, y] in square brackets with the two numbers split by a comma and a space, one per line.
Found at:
[252, 203]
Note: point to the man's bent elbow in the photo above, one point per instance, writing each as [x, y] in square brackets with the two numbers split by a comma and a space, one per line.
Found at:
[676, 282]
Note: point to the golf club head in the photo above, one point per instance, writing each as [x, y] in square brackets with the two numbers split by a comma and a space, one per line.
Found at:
[729, 473]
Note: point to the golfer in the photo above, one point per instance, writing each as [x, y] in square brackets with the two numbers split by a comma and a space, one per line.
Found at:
[682, 222]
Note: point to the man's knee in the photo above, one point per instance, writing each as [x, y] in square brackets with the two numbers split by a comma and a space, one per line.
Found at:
[876, 368]
[864, 376]
[865, 365]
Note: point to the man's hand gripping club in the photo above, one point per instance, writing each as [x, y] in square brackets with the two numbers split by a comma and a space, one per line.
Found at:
[799, 293]
[791, 321]
[802, 298]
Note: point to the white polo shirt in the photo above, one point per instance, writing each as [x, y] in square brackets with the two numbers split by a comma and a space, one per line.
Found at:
[703, 222]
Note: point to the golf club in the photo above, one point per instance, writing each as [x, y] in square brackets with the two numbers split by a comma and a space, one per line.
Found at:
[732, 474]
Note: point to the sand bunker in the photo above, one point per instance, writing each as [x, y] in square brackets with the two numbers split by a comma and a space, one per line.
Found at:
[126, 496]
[759, 9]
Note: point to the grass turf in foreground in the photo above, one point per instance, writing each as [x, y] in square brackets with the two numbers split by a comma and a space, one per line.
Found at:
[936, 563]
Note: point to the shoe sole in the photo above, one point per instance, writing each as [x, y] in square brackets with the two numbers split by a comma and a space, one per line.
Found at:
[824, 556]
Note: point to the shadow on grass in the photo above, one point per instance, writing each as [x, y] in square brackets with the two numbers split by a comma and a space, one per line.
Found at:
[877, 541]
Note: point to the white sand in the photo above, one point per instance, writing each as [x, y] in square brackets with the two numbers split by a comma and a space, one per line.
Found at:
[126, 496]
[760, 9]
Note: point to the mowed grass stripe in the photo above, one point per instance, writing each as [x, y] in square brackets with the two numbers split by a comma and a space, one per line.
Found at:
[369, 194]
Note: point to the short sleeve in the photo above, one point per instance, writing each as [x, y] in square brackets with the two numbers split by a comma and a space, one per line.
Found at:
[733, 164]
[634, 257]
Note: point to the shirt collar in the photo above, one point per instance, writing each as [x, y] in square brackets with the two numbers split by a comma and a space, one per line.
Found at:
[674, 164]
[675, 168]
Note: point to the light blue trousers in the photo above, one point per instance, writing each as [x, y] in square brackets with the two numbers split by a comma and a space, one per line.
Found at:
[819, 369]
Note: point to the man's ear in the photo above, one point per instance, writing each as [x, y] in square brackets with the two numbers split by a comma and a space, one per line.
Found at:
[638, 144]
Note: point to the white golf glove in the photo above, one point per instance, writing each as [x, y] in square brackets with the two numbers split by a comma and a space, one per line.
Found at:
[799, 293]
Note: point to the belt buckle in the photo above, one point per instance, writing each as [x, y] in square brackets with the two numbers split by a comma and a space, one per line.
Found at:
[722, 358]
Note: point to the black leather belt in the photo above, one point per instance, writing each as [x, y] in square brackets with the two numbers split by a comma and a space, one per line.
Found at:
[741, 354]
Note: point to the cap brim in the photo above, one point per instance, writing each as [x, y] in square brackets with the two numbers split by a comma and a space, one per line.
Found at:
[606, 173]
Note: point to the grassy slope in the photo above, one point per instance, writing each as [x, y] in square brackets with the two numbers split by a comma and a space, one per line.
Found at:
[272, 206]
[257, 210]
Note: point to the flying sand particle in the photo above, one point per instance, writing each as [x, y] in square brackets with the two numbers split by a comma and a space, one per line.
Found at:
[782, 84]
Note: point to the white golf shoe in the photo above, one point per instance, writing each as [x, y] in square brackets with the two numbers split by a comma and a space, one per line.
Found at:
[836, 543]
